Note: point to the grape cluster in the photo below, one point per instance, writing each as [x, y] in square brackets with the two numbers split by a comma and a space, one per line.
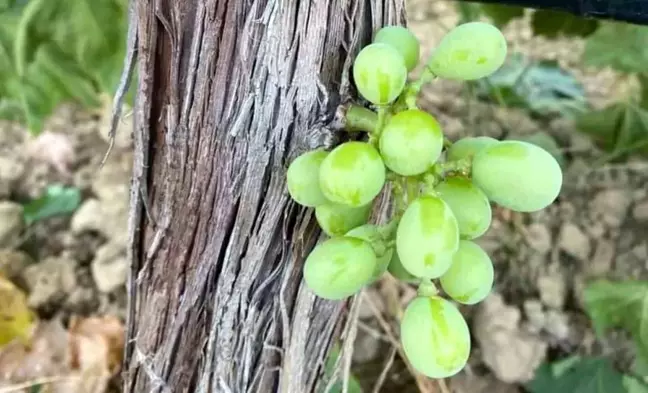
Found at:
[441, 192]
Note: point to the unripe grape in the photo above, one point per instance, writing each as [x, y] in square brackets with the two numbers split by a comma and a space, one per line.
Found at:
[379, 73]
[339, 267]
[397, 270]
[371, 234]
[470, 277]
[427, 237]
[336, 219]
[517, 175]
[403, 40]
[469, 51]
[467, 147]
[469, 205]
[435, 337]
[302, 178]
[352, 174]
[411, 142]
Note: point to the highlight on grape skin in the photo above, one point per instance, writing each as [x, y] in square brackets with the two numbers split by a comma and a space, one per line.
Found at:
[435, 337]
[403, 40]
[467, 147]
[517, 175]
[371, 234]
[379, 73]
[302, 178]
[469, 205]
[411, 142]
[339, 267]
[336, 220]
[470, 51]
[352, 174]
[470, 277]
[427, 237]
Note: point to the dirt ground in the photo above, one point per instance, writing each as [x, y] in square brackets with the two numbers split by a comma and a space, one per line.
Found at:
[542, 259]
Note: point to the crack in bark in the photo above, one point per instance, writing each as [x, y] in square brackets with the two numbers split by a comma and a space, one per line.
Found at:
[229, 92]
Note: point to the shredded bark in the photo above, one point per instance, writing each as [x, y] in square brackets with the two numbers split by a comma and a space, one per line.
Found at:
[229, 92]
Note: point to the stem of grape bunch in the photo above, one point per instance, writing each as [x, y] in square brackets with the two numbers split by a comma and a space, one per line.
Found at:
[360, 119]
[408, 97]
[374, 137]
[427, 288]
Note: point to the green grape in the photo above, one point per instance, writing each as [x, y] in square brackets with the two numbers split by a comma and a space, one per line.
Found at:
[517, 175]
[469, 205]
[427, 237]
[469, 51]
[411, 142]
[352, 174]
[397, 270]
[380, 73]
[371, 233]
[403, 40]
[302, 178]
[470, 277]
[339, 267]
[336, 219]
[435, 337]
[467, 147]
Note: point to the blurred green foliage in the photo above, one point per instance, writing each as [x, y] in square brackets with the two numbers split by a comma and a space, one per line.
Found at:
[57, 200]
[621, 128]
[329, 368]
[623, 305]
[541, 87]
[577, 375]
[55, 51]
[610, 305]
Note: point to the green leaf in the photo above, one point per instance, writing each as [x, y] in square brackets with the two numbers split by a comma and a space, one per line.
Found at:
[620, 305]
[620, 46]
[501, 15]
[468, 11]
[638, 381]
[67, 74]
[552, 24]
[643, 93]
[354, 385]
[541, 87]
[55, 51]
[57, 200]
[586, 375]
[620, 129]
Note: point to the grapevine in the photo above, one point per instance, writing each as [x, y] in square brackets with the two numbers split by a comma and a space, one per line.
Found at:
[441, 192]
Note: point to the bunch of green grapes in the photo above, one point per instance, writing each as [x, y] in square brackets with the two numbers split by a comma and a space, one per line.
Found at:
[442, 192]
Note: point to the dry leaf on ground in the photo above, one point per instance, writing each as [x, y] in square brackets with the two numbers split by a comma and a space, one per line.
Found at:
[16, 318]
[79, 360]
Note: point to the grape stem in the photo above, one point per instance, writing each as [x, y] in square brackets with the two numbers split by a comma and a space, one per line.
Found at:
[440, 170]
[388, 231]
[447, 143]
[409, 96]
[399, 194]
[427, 288]
[412, 185]
[462, 166]
[359, 118]
[374, 137]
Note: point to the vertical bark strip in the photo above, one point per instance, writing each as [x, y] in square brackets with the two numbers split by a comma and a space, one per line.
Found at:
[229, 92]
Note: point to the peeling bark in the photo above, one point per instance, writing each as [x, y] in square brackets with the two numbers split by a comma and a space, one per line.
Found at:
[228, 93]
